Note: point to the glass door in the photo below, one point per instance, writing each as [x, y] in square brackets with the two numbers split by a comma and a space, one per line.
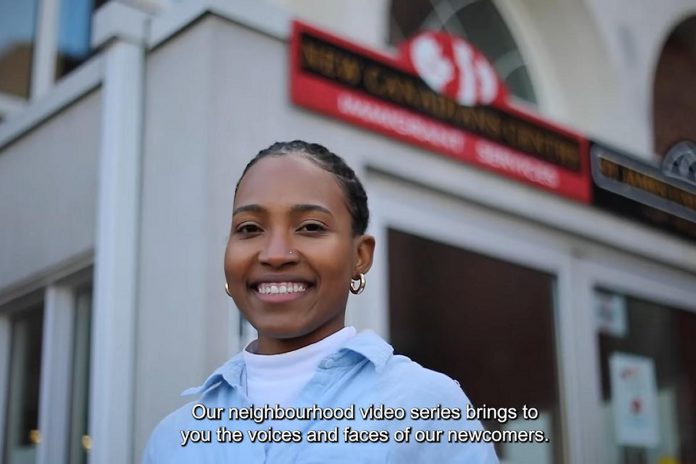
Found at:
[644, 349]
[479, 296]
[488, 323]
[647, 355]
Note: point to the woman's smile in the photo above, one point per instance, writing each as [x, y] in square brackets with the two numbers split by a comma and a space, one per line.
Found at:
[280, 289]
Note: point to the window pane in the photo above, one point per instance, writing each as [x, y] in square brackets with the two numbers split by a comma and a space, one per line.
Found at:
[22, 432]
[74, 34]
[648, 362]
[486, 29]
[488, 324]
[17, 30]
[79, 413]
[520, 81]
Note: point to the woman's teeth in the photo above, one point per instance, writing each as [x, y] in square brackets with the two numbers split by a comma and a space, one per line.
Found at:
[281, 288]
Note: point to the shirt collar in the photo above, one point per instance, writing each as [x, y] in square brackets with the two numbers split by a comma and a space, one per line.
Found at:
[367, 344]
[371, 347]
[230, 372]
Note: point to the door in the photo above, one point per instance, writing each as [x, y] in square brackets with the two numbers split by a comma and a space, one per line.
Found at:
[479, 296]
[643, 339]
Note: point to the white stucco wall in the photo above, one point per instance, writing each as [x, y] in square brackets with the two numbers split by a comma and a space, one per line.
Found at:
[173, 269]
[364, 21]
[570, 69]
[633, 33]
[48, 193]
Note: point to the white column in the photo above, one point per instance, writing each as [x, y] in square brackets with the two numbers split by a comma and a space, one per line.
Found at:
[121, 30]
[56, 378]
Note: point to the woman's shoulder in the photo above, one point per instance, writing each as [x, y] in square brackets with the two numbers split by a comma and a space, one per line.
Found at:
[418, 382]
[400, 378]
[163, 440]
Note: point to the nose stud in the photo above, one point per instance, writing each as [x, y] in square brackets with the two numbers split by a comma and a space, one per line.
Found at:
[227, 290]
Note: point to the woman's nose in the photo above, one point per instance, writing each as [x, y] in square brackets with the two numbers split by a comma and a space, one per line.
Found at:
[278, 251]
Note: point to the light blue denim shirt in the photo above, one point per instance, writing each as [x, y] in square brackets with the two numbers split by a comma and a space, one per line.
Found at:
[364, 372]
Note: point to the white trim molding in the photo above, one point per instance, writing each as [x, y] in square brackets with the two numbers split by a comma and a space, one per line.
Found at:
[259, 16]
[9, 103]
[116, 20]
[73, 87]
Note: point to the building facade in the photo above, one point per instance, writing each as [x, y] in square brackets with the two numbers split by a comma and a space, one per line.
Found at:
[117, 174]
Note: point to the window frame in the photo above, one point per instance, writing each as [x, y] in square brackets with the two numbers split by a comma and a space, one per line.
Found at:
[42, 77]
[58, 296]
[7, 311]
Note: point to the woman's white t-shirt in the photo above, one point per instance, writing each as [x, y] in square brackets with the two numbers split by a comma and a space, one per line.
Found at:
[279, 378]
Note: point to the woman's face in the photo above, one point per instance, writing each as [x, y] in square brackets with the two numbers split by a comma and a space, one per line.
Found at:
[291, 253]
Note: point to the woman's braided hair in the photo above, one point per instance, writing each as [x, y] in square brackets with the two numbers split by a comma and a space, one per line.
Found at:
[356, 198]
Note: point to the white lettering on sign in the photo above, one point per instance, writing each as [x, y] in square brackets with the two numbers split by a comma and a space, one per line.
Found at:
[401, 122]
[507, 160]
[428, 57]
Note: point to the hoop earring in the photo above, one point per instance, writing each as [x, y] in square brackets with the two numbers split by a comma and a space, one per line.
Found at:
[227, 290]
[357, 289]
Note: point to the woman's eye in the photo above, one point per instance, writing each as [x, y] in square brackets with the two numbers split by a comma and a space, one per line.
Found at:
[312, 227]
[247, 229]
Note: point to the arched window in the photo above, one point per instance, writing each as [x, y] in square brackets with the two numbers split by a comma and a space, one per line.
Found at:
[674, 89]
[477, 21]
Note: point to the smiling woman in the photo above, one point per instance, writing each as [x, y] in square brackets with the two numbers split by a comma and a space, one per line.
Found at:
[297, 247]
[294, 249]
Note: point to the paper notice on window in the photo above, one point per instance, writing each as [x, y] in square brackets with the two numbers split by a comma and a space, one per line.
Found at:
[634, 397]
[610, 312]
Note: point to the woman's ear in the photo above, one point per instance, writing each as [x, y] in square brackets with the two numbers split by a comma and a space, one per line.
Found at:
[365, 247]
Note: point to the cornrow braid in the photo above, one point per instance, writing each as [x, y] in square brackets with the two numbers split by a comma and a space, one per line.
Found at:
[356, 198]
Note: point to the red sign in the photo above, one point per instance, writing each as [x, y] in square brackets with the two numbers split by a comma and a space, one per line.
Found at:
[425, 97]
